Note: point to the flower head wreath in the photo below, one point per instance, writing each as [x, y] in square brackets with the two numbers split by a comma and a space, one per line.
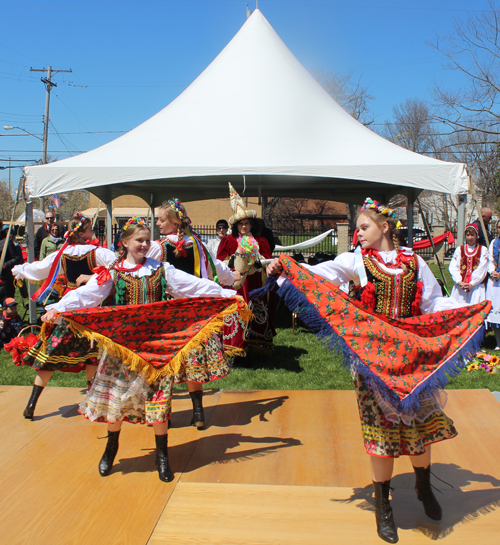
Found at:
[176, 205]
[134, 220]
[77, 227]
[381, 209]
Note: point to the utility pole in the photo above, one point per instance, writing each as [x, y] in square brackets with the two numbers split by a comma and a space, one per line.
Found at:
[48, 86]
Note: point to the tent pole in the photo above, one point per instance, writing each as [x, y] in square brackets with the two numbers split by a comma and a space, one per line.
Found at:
[409, 215]
[152, 215]
[478, 210]
[30, 235]
[109, 217]
[429, 235]
[462, 205]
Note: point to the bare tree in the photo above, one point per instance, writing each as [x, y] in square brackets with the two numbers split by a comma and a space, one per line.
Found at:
[350, 94]
[73, 201]
[6, 201]
[291, 213]
[413, 128]
[299, 213]
[473, 49]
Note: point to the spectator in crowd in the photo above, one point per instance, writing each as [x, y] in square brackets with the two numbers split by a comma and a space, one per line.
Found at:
[468, 268]
[43, 232]
[12, 257]
[10, 321]
[266, 233]
[486, 214]
[52, 242]
[221, 227]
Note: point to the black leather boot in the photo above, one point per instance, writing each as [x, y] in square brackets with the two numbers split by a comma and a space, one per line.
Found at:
[198, 419]
[165, 473]
[425, 494]
[30, 407]
[106, 463]
[386, 528]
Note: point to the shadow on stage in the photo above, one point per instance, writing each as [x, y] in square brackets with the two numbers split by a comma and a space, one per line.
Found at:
[459, 506]
[215, 450]
[230, 414]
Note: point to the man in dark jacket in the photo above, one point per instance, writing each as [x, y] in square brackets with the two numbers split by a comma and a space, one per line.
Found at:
[12, 258]
[486, 214]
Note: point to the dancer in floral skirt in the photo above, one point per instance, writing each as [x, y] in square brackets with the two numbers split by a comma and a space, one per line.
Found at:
[399, 359]
[70, 266]
[120, 393]
[181, 247]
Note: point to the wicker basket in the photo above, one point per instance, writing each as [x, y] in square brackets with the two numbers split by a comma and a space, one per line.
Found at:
[23, 331]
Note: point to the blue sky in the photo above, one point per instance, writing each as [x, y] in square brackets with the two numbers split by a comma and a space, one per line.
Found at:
[130, 59]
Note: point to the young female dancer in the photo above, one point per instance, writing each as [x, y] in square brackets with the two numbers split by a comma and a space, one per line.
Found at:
[398, 284]
[184, 250]
[64, 352]
[468, 268]
[117, 393]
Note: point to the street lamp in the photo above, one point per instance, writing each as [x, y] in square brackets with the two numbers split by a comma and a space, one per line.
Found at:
[10, 128]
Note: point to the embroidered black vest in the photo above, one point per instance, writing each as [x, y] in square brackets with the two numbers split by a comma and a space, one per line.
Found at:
[73, 266]
[393, 293]
[185, 264]
[135, 290]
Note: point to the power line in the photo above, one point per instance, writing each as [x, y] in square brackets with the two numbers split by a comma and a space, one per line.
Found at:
[205, 4]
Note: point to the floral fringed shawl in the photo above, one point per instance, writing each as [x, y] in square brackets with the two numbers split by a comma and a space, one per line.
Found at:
[403, 358]
[154, 338]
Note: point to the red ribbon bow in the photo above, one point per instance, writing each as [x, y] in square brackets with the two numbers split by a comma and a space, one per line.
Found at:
[102, 274]
[179, 245]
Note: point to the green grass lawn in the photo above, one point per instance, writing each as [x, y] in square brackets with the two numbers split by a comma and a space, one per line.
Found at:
[298, 362]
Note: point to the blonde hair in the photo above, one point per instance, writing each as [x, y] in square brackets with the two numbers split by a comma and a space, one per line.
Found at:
[128, 234]
[173, 217]
[380, 219]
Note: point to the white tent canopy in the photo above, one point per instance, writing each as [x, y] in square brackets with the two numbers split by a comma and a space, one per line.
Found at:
[254, 112]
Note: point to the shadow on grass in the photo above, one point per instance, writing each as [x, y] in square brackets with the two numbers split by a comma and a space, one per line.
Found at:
[282, 357]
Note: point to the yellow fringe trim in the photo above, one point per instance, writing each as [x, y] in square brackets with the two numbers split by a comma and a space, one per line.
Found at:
[140, 365]
[233, 351]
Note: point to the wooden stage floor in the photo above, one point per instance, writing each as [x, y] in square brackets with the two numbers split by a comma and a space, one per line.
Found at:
[272, 467]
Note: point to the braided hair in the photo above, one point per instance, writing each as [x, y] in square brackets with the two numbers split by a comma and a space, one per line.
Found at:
[77, 225]
[176, 213]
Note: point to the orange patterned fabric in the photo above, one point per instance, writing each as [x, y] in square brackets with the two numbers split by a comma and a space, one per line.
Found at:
[404, 357]
[155, 338]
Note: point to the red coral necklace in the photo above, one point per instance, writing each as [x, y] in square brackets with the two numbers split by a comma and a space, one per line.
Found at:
[119, 266]
[401, 257]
